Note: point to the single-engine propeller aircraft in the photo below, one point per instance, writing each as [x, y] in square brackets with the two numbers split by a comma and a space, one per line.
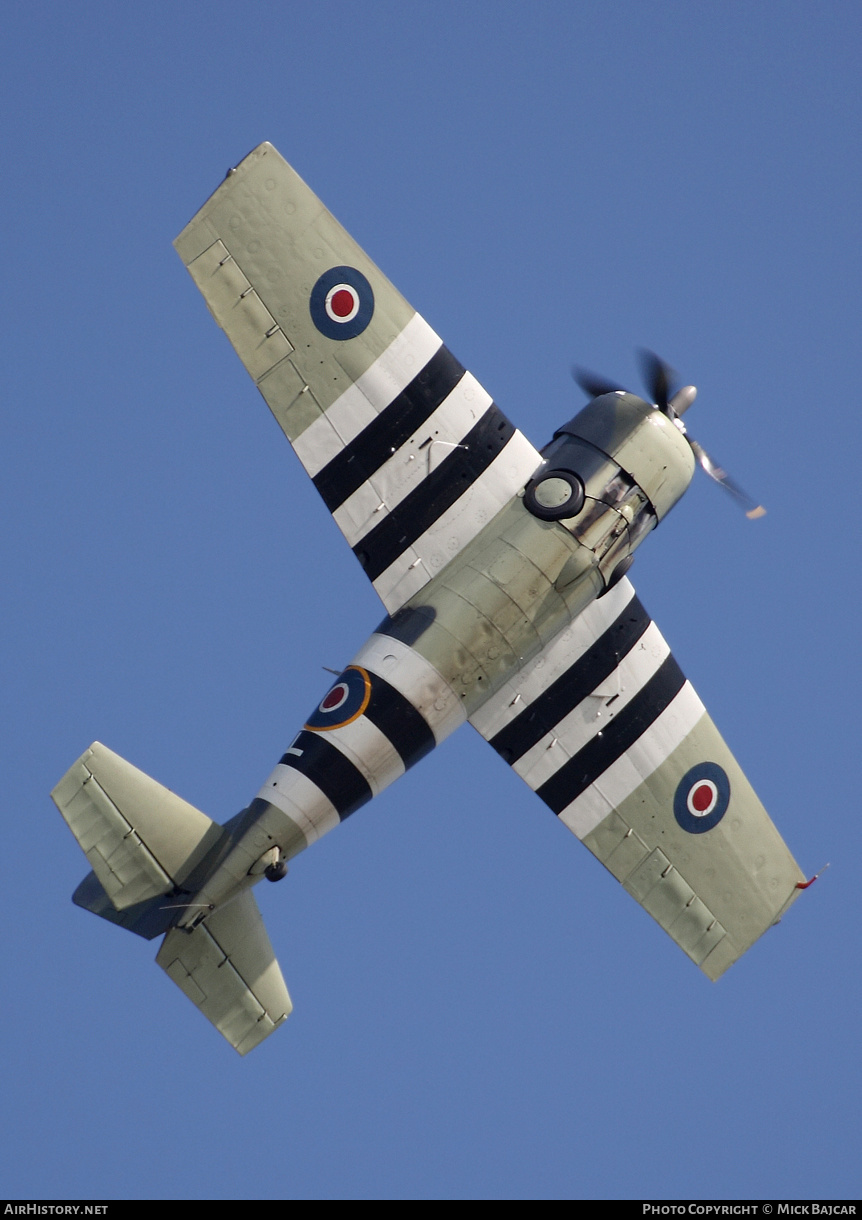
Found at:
[502, 570]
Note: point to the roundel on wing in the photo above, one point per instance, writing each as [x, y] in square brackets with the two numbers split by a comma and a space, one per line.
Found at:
[701, 798]
[341, 303]
[343, 702]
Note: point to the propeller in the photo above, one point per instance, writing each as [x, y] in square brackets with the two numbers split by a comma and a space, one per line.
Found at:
[658, 377]
[750, 507]
[594, 384]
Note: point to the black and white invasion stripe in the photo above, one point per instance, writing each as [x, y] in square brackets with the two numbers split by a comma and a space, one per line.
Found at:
[584, 675]
[412, 460]
[382, 545]
[595, 714]
[399, 721]
[342, 768]
[343, 783]
[388, 431]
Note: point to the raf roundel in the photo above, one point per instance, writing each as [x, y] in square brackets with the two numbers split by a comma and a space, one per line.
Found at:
[701, 798]
[341, 303]
[343, 703]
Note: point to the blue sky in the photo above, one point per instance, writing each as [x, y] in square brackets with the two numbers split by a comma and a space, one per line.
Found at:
[479, 1010]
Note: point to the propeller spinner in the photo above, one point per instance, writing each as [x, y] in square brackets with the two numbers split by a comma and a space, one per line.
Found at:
[659, 377]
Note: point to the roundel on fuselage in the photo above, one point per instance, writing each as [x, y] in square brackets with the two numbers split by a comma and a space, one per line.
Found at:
[341, 303]
[343, 702]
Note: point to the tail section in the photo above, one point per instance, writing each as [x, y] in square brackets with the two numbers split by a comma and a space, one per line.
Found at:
[140, 838]
[150, 850]
[149, 919]
[227, 967]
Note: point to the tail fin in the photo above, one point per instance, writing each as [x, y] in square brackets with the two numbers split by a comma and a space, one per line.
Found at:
[144, 842]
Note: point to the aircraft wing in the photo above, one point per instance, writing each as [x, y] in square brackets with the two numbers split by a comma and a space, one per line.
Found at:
[408, 451]
[605, 728]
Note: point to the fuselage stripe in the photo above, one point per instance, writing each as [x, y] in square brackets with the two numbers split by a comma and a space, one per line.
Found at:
[398, 719]
[334, 774]
[562, 696]
[619, 735]
[395, 424]
[419, 510]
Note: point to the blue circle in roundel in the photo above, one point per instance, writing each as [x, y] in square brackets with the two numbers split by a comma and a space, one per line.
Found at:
[701, 798]
[341, 303]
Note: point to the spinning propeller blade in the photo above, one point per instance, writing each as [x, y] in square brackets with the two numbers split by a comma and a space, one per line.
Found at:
[657, 376]
[593, 384]
[752, 509]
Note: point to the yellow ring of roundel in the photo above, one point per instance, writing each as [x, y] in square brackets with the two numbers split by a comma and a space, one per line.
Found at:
[327, 728]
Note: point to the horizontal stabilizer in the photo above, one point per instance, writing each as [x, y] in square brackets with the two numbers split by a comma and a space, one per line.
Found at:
[140, 838]
[227, 967]
[149, 919]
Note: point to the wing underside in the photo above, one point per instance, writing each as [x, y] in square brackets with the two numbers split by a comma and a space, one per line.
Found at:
[605, 728]
[408, 451]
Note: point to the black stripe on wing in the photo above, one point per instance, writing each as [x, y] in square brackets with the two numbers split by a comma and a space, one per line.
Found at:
[437, 492]
[618, 736]
[395, 424]
[573, 686]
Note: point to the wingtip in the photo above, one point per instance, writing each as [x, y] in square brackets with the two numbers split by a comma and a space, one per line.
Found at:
[803, 885]
[754, 513]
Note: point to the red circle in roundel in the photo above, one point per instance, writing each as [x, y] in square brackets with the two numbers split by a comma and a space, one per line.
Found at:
[701, 798]
[341, 303]
[335, 698]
